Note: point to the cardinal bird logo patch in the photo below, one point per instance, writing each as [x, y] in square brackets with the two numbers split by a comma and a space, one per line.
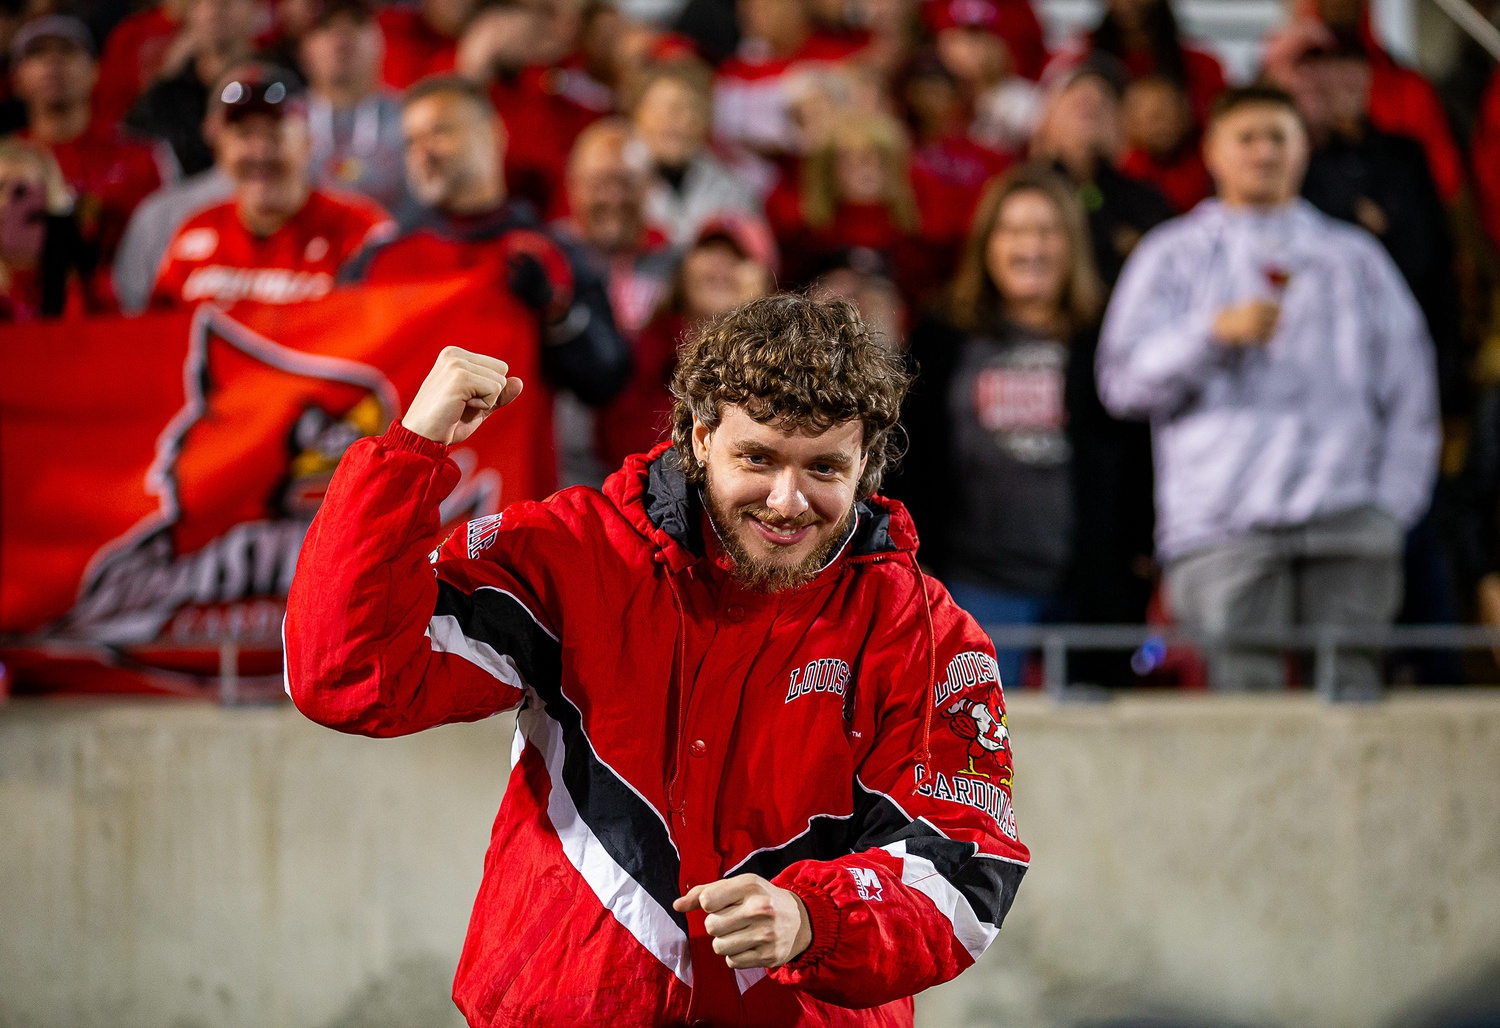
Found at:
[971, 702]
[982, 723]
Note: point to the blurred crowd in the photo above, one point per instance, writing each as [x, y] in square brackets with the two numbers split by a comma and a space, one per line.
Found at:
[1221, 354]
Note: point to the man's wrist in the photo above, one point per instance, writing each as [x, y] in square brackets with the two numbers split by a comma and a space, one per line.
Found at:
[400, 436]
[804, 928]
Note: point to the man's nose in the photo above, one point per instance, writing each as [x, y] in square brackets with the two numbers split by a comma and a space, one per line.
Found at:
[786, 497]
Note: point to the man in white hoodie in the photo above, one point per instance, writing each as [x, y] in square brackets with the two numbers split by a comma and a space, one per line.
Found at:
[1289, 380]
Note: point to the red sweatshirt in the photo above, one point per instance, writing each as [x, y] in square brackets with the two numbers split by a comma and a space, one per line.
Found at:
[845, 739]
[215, 257]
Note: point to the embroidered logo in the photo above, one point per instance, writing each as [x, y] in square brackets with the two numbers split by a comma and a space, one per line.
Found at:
[979, 793]
[982, 723]
[965, 671]
[482, 532]
[972, 703]
[826, 674]
[867, 883]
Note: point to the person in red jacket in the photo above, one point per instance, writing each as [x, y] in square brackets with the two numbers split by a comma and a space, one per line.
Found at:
[1163, 146]
[735, 797]
[949, 169]
[54, 72]
[278, 240]
[854, 190]
[464, 221]
[421, 41]
[133, 56]
[732, 261]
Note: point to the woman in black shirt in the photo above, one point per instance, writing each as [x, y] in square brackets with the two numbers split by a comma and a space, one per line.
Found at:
[1031, 502]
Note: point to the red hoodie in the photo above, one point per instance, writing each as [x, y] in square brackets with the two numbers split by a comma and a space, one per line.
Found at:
[1183, 178]
[845, 739]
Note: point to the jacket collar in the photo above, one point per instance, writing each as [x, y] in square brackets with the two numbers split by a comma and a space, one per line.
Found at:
[511, 214]
[655, 497]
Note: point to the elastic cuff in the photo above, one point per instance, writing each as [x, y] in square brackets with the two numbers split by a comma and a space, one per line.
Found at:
[399, 437]
[823, 916]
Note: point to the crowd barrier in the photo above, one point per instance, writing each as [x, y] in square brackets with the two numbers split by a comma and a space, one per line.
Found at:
[231, 685]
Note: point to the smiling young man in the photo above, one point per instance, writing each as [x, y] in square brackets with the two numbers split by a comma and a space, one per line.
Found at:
[762, 772]
[1288, 377]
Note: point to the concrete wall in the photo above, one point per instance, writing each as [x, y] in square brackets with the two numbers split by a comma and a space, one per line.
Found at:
[1248, 861]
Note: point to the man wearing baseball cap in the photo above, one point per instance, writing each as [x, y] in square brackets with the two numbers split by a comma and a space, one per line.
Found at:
[278, 240]
[54, 72]
[1012, 22]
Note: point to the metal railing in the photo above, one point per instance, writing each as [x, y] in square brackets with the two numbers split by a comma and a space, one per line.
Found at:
[1479, 28]
[1323, 642]
[1054, 642]
[227, 652]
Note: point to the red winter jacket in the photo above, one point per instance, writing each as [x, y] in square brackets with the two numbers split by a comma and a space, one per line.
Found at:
[674, 729]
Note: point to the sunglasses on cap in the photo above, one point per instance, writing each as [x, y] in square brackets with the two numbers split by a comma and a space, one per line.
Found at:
[241, 97]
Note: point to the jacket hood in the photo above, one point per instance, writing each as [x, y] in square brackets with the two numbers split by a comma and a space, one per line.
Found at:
[652, 493]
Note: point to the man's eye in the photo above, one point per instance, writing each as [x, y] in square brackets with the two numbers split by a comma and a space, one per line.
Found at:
[824, 469]
[755, 458]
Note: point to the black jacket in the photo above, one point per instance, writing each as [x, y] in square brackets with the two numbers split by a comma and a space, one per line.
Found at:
[1120, 210]
[583, 351]
[172, 110]
[1381, 182]
[1113, 517]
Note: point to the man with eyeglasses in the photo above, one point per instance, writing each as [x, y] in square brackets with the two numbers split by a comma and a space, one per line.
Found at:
[277, 240]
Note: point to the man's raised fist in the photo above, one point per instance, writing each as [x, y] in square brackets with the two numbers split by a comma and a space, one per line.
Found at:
[460, 391]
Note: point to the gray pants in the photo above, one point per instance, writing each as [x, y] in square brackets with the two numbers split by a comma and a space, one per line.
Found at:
[1344, 569]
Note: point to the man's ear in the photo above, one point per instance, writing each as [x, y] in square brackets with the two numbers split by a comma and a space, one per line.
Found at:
[701, 434]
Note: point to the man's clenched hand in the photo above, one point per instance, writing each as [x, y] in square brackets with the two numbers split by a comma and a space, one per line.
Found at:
[460, 391]
[754, 923]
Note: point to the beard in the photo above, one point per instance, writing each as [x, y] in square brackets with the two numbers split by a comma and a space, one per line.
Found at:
[751, 572]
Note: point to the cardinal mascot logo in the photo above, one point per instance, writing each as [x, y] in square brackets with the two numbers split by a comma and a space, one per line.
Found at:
[239, 473]
[971, 702]
[982, 723]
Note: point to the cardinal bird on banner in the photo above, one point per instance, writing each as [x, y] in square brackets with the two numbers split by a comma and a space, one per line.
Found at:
[157, 475]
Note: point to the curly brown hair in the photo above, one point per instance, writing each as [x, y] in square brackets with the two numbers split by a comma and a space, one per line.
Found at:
[797, 362]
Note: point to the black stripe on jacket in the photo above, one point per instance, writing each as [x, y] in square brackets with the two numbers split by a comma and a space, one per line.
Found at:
[626, 826]
[988, 885]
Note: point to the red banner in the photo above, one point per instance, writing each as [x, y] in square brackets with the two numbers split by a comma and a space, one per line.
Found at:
[157, 474]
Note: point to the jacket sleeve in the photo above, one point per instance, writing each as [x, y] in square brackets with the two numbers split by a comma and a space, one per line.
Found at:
[1406, 391]
[1157, 348]
[382, 639]
[935, 860]
[584, 350]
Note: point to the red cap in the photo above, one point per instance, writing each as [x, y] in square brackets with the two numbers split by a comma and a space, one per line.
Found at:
[750, 235]
[963, 14]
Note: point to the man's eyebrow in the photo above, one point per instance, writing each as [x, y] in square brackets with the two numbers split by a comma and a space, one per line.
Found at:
[833, 457]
